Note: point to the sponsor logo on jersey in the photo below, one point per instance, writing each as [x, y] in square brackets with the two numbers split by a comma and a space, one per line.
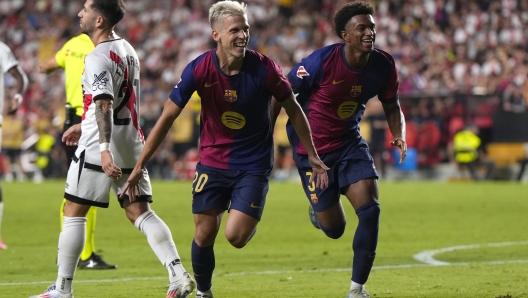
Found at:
[233, 120]
[100, 81]
[334, 82]
[178, 83]
[314, 198]
[355, 91]
[347, 109]
[230, 95]
[301, 72]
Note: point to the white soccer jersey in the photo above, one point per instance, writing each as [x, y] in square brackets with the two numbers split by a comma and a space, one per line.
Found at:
[7, 61]
[112, 69]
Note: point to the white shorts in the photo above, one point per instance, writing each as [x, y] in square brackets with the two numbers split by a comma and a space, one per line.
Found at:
[87, 184]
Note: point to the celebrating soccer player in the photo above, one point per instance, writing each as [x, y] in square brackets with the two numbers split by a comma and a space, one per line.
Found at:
[236, 147]
[109, 142]
[334, 84]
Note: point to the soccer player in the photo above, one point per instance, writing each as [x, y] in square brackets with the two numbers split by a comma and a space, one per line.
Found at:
[71, 58]
[9, 64]
[109, 142]
[236, 146]
[334, 84]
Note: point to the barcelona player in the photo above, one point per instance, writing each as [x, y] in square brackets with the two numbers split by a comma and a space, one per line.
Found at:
[236, 146]
[334, 84]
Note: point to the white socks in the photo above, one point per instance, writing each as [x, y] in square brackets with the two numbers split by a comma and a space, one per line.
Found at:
[159, 238]
[356, 286]
[71, 244]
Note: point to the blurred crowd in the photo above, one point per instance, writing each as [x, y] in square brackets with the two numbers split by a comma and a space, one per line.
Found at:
[457, 60]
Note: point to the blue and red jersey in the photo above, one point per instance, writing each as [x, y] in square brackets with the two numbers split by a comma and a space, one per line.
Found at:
[333, 95]
[235, 122]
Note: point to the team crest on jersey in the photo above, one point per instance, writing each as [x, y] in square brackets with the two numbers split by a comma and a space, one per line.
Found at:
[230, 95]
[301, 72]
[314, 198]
[355, 91]
[100, 81]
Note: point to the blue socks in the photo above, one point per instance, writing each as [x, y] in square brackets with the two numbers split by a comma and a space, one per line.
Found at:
[203, 262]
[365, 241]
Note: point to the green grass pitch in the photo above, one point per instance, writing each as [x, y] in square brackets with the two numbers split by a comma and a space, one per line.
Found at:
[479, 231]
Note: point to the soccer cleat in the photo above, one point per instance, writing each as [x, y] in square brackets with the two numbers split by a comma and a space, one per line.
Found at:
[206, 294]
[358, 293]
[95, 262]
[51, 292]
[2, 244]
[182, 288]
[313, 217]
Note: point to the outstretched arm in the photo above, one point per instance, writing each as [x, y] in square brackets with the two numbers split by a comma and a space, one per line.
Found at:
[301, 126]
[396, 122]
[48, 66]
[170, 112]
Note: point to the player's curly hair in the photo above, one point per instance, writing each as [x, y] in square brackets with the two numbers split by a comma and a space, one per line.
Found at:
[348, 11]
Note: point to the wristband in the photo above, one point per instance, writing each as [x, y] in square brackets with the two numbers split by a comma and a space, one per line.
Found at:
[104, 147]
[19, 98]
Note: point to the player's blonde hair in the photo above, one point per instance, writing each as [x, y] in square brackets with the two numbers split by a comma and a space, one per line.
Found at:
[226, 8]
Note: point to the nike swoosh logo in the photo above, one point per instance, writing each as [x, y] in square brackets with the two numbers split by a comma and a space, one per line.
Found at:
[279, 82]
[209, 85]
[338, 82]
[254, 206]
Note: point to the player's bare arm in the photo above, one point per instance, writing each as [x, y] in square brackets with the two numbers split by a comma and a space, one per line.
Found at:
[71, 136]
[103, 117]
[48, 66]
[170, 112]
[396, 122]
[301, 126]
[21, 82]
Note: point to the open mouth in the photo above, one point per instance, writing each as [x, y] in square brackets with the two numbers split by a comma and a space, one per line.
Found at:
[368, 42]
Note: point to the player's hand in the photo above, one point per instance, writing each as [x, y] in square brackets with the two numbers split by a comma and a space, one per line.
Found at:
[132, 185]
[110, 169]
[402, 146]
[71, 136]
[13, 104]
[319, 172]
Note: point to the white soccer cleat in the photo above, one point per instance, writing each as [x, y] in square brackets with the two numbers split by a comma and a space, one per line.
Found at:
[206, 294]
[358, 293]
[51, 292]
[182, 288]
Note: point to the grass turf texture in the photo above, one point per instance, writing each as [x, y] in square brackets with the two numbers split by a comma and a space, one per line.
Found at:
[288, 257]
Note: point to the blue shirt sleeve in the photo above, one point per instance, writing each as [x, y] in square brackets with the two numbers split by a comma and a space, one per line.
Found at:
[182, 92]
[305, 76]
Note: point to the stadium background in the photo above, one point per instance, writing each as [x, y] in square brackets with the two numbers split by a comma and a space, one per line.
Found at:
[459, 62]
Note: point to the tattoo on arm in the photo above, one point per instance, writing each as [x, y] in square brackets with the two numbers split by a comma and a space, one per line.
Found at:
[103, 116]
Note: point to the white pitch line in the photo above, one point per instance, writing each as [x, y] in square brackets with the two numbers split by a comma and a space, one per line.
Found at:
[271, 272]
[427, 256]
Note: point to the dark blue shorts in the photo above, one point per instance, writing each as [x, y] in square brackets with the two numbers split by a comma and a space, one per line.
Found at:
[244, 191]
[347, 166]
